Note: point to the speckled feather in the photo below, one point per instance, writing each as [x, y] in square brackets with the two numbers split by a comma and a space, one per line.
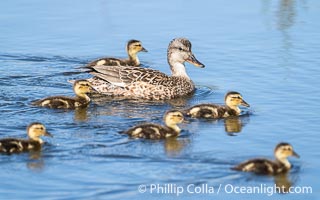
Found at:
[13, 145]
[151, 131]
[62, 102]
[261, 166]
[210, 111]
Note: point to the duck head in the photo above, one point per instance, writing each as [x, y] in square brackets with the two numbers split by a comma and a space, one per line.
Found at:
[284, 150]
[173, 117]
[134, 47]
[36, 130]
[234, 99]
[82, 87]
[179, 52]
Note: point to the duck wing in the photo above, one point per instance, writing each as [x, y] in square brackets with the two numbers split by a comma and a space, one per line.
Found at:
[148, 131]
[122, 75]
[12, 145]
[107, 61]
[259, 166]
[55, 102]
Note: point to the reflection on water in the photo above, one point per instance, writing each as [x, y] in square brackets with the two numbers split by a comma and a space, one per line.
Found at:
[174, 146]
[283, 182]
[233, 125]
[286, 14]
[80, 114]
[35, 162]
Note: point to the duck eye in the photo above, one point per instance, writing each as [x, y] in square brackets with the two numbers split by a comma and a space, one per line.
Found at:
[180, 49]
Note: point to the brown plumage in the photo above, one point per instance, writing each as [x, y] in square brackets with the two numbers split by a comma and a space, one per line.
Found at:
[142, 83]
[155, 131]
[34, 143]
[133, 48]
[264, 166]
[80, 87]
[213, 111]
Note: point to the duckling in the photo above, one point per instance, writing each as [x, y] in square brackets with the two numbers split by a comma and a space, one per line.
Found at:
[34, 143]
[213, 111]
[264, 166]
[146, 83]
[155, 131]
[80, 87]
[133, 48]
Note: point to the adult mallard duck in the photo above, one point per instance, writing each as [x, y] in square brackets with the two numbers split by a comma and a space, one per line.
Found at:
[213, 111]
[15, 145]
[80, 87]
[263, 166]
[155, 131]
[142, 83]
[133, 48]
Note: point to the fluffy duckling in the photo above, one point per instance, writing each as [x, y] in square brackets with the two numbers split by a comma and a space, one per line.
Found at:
[213, 111]
[155, 131]
[133, 48]
[80, 87]
[264, 166]
[34, 143]
[146, 83]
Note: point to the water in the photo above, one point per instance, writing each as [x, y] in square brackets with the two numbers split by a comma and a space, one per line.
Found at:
[268, 50]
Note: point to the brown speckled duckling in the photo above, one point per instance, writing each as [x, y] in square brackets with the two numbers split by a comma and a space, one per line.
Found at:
[133, 48]
[155, 131]
[80, 87]
[269, 167]
[213, 111]
[146, 83]
[34, 143]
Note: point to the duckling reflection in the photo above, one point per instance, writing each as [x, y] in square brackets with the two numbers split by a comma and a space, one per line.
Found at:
[282, 182]
[234, 124]
[174, 146]
[36, 162]
[81, 114]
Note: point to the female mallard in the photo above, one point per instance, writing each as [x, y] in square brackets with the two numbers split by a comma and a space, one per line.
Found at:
[133, 48]
[155, 131]
[213, 111]
[142, 83]
[34, 143]
[264, 166]
[80, 87]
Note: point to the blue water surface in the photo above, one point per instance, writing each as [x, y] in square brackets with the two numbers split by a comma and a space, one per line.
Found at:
[268, 50]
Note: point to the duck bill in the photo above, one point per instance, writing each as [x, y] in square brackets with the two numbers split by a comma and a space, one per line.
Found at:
[244, 103]
[92, 89]
[295, 154]
[48, 134]
[144, 50]
[192, 60]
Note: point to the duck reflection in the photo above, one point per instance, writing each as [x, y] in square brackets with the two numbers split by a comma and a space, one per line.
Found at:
[286, 14]
[283, 183]
[234, 124]
[35, 162]
[81, 114]
[174, 146]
